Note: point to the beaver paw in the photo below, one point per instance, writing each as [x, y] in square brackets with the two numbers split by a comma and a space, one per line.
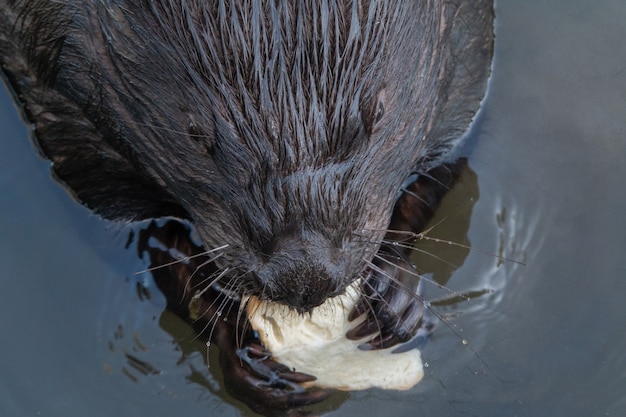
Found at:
[266, 385]
[394, 311]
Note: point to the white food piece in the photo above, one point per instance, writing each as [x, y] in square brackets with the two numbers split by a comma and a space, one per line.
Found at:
[315, 344]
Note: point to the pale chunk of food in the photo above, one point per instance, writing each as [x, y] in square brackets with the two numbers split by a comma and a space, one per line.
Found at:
[315, 344]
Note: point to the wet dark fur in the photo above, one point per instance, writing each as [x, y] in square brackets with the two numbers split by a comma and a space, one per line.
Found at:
[283, 130]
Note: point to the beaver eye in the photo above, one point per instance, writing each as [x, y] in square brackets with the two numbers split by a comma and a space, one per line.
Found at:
[379, 112]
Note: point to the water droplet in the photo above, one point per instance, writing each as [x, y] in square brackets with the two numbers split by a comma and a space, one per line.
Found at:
[427, 304]
[464, 341]
[426, 365]
[208, 344]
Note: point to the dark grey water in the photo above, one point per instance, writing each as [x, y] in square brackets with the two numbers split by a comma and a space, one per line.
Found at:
[78, 339]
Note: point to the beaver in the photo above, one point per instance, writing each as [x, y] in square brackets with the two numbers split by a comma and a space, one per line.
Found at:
[299, 138]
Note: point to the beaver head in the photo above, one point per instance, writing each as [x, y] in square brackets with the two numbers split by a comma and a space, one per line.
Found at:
[284, 130]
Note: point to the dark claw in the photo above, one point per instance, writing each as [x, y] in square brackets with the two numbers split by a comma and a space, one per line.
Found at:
[367, 328]
[361, 308]
[266, 385]
[269, 372]
[381, 341]
[418, 341]
[307, 398]
[257, 350]
[297, 377]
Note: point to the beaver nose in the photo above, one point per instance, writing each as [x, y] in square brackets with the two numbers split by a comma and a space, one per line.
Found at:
[302, 270]
[306, 297]
[300, 287]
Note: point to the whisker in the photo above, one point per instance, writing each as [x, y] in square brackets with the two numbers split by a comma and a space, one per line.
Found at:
[196, 270]
[231, 301]
[392, 244]
[243, 306]
[393, 280]
[213, 282]
[246, 323]
[437, 180]
[211, 322]
[199, 268]
[366, 299]
[219, 311]
[183, 259]
[420, 276]
[414, 195]
[423, 236]
[416, 294]
[457, 334]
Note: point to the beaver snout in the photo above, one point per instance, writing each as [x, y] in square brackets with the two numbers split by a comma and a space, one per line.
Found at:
[302, 274]
[302, 286]
[303, 294]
